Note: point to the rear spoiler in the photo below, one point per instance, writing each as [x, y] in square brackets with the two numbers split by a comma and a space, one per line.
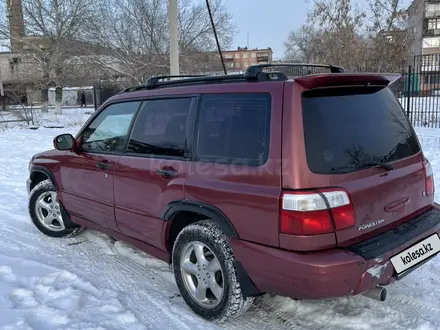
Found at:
[347, 79]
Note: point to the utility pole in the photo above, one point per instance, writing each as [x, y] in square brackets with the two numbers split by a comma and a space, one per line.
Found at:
[174, 41]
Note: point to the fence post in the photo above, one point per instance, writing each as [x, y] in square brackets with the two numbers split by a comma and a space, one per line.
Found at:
[95, 101]
[408, 98]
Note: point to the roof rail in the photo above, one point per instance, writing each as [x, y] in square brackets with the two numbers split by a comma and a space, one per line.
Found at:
[195, 80]
[132, 89]
[155, 79]
[298, 69]
[154, 82]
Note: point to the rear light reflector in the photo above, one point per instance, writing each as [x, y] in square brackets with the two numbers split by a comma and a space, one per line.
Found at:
[429, 178]
[315, 212]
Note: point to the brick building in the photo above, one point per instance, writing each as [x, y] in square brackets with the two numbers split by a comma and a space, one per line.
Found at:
[241, 58]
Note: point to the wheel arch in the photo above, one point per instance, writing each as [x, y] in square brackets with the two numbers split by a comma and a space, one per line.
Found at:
[39, 174]
[189, 212]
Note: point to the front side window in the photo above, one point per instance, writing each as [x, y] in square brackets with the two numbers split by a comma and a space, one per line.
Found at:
[108, 131]
[160, 129]
[234, 128]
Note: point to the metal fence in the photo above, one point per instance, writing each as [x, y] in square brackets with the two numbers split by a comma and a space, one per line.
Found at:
[419, 91]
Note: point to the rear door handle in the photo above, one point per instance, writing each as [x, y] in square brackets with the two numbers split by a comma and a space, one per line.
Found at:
[167, 174]
[104, 165]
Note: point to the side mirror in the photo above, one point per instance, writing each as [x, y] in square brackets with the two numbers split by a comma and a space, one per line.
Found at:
[64, 142]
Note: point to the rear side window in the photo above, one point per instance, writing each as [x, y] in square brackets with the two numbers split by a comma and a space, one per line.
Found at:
[346, 128]
[234, 128]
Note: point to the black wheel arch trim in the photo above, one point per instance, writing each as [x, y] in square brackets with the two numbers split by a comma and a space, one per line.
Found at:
[211, 212]
[45, 171]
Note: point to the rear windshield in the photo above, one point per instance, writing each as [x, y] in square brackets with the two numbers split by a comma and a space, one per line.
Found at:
[350, 129]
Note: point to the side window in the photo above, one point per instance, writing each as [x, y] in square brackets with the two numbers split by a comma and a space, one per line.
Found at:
[108, 131]
[160, 128]
[234, 128]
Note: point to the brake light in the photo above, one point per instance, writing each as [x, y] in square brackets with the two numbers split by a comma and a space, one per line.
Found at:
[315, 212]
[429, 178]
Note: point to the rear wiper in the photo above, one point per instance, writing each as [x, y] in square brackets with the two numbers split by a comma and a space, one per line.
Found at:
[384, 165]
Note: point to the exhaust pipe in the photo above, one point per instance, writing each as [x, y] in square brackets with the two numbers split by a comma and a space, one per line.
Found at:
[377, 293]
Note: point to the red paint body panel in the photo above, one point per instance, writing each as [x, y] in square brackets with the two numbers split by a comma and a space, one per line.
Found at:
[140, 195]
[316, 275]
[307, 243]
[87, 191]
[346, 79]
[151, 250]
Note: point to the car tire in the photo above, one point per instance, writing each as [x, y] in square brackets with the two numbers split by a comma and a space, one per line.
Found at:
[205, 272]
[47, 214]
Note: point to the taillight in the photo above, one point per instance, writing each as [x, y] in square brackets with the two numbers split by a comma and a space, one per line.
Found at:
[429, 178]
[315, 212]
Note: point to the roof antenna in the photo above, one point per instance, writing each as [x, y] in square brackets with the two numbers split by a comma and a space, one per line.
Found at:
[216, 37]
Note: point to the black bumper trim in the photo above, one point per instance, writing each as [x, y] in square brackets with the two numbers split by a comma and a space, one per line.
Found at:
[392, 239]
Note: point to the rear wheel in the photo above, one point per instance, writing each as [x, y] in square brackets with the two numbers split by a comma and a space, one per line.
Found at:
[204, 269]
[46, 212]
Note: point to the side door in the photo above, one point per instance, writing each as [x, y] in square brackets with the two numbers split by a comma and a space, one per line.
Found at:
[87, 174]
[154, 168]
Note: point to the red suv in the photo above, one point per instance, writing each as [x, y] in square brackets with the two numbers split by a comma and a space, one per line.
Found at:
[309, 187]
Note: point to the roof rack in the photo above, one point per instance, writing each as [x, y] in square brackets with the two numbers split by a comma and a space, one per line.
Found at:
[296, 69]
[253, 73]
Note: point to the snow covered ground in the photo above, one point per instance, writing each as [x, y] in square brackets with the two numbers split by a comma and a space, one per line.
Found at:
[92, 282]
[71, 117]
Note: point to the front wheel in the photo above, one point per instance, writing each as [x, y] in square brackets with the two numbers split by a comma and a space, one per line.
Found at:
[205, 273]
[46, 212]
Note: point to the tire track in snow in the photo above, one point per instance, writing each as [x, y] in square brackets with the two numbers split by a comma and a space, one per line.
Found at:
[161, 278]
[122, 279]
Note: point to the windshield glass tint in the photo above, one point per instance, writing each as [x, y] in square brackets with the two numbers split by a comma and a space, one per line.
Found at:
[346, 128]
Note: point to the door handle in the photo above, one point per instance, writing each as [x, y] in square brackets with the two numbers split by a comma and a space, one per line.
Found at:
[167, 174]
[104, 165]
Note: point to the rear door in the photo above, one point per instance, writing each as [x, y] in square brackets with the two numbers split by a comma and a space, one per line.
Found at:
[348, 130]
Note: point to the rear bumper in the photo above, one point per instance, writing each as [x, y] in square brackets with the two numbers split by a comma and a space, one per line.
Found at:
[336, 272]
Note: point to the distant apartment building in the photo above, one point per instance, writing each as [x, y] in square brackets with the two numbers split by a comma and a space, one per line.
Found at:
[424, 24]
[236, 61]
[242, 58]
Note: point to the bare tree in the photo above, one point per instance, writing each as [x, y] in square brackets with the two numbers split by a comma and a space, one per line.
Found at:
[123, 41]
[301, 45]
[390, 39]
[137, 33]
[53, 28]
[372, 38]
